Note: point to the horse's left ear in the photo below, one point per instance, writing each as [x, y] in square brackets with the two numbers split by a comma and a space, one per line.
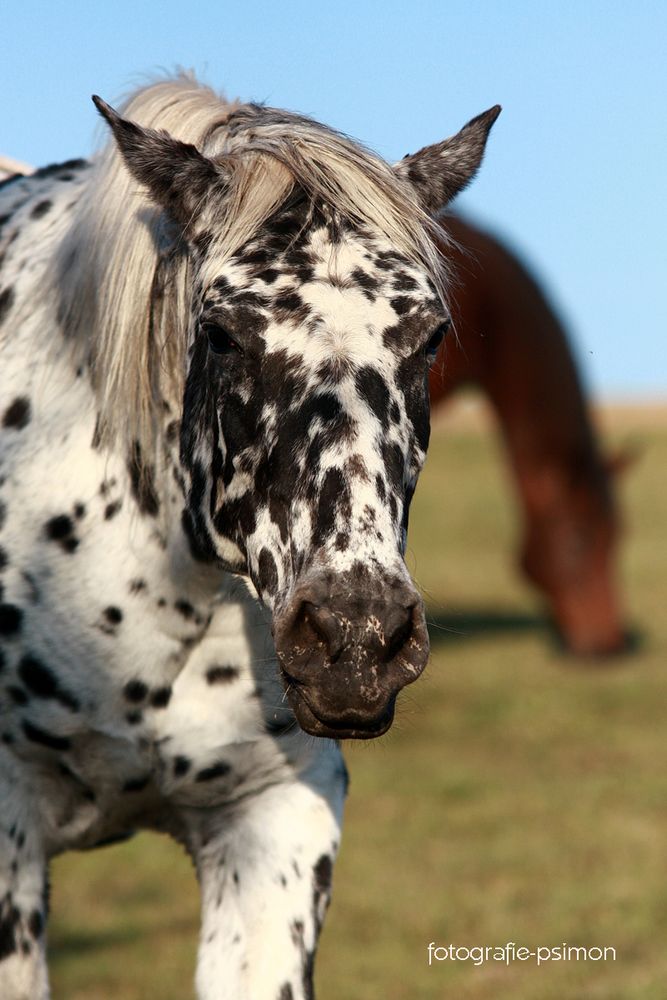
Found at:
[176, 174]
[439, 172]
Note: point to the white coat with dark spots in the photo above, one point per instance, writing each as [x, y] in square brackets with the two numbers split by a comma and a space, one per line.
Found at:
[214, 346]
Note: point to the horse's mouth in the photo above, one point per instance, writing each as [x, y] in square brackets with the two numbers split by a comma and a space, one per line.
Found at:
[353, 726]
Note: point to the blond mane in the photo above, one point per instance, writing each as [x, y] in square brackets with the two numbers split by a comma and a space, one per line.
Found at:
[122, 274]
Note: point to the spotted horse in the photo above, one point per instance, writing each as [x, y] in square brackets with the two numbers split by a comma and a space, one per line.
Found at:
[215, 340]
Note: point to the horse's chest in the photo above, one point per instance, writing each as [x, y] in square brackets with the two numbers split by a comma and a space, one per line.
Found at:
[145, 751]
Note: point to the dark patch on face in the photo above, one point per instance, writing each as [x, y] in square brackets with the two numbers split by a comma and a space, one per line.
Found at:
[267, 572]
[136, 784]
[374, 391]
[342, 541]
[409, 493]
[324, 405]
[366, 281]
[393, 507]
[40, 209]
[11, 619]
[221, 674]
[279, 517]
[288, 304]
[79, 511]
[36, 924]
[10, 919]
[60, 529]
[135, 691]
[404, 282]
[6, 302]
[255, 257]
[394, 464]
[161, 697]
[401, 304]
[322, 872]
[136, 586]
[142, 481]
[4, 559]
[199, 541]
[286, 992]
[181, 766]
[218, 770]
[42, 683]
[17, 414]
[386, 260]
[240, 512]
[268, 275]
[333, 370]
[43, 738]
[334, 495]
[413, 383]
[112, 509]
[133, 718]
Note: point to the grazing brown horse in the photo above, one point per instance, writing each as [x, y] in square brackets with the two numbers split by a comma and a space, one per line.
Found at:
[509, 342]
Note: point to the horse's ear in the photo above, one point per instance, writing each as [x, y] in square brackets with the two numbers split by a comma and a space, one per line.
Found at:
[439, 172]
[176, 174]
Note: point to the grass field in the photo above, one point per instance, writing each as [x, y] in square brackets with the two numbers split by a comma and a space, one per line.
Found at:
[519, 796]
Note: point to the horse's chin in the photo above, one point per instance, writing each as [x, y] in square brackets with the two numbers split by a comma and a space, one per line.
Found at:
[320, 724]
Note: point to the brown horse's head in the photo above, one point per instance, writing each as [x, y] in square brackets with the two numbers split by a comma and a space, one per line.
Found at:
[569, 552]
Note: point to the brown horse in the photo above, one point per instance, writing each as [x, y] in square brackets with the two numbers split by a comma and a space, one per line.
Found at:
[508, 340]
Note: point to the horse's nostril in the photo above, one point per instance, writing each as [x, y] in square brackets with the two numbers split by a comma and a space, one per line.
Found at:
[325, 626]
[402, 630]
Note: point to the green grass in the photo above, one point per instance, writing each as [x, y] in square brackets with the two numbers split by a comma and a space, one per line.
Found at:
[519, 796]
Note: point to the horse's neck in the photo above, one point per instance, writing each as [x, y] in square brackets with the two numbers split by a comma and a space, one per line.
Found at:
[514, 346]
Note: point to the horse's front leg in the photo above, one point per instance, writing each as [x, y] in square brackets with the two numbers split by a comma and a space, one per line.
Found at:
[265, 868]
[23, 973]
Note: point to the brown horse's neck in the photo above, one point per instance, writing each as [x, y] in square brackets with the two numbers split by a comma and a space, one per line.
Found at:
[511, 343]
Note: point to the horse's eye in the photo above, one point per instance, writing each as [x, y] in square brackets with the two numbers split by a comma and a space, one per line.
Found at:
[219, 340]
[436, 340]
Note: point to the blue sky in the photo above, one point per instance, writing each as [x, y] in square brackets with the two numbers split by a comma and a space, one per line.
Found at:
[575, 173]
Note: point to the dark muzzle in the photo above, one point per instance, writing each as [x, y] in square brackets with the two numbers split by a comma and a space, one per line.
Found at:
[346, 646]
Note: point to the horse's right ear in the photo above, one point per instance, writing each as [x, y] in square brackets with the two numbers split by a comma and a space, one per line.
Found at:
[177, 175]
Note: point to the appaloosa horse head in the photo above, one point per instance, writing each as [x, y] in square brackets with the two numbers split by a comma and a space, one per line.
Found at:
[306, 415]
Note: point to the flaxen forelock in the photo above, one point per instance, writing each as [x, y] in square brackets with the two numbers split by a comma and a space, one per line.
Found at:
[128, 277]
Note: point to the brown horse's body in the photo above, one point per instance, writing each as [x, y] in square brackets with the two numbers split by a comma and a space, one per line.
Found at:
[509, 342]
